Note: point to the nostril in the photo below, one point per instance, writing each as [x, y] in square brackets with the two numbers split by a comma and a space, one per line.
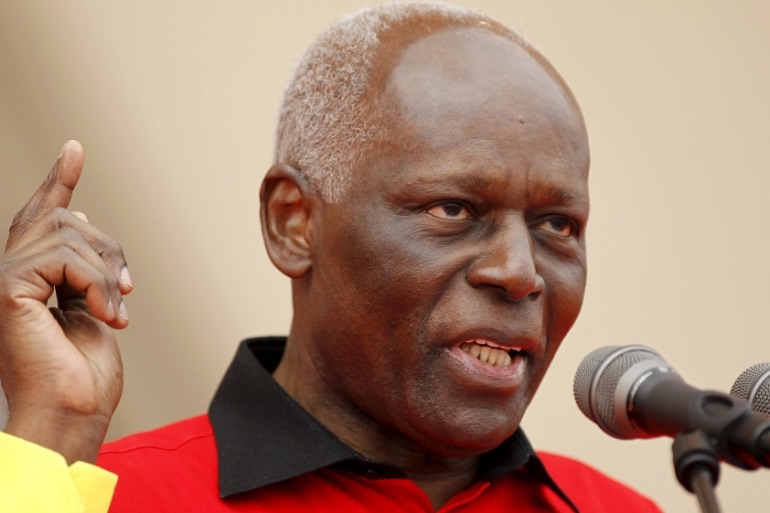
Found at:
[535, 295]
[525, 287]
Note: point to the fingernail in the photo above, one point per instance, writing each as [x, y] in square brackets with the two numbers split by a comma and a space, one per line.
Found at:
[80, 215]
[63, 149]
[123, 309]
[125, 277]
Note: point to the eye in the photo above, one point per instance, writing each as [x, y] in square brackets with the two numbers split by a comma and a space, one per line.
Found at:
[450, 210]
[560, 226]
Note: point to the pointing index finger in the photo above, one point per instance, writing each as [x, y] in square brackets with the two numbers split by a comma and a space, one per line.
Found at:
[55, 191]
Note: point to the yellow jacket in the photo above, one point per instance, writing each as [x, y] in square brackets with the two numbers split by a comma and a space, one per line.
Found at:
[34, 479]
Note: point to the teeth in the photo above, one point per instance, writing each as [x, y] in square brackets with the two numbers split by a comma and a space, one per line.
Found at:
[487, 353]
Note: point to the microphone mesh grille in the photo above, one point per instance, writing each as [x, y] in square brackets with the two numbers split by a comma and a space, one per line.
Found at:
[761, 402]
[611, 363]
[755, 376]
[581, 387]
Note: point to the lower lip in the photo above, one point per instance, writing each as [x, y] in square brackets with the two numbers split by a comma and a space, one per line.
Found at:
[503, 377]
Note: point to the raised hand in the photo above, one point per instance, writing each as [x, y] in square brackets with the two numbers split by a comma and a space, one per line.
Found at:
[60, 367]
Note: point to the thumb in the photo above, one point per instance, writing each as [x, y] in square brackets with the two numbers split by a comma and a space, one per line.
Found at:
[64, 175]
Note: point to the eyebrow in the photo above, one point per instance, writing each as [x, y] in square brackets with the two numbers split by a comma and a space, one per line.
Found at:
[464, 179]
[560, 195]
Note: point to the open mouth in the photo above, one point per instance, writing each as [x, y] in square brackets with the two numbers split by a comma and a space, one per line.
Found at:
[490, 353]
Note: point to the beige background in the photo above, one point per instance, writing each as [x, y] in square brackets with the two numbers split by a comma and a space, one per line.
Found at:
[175, 103]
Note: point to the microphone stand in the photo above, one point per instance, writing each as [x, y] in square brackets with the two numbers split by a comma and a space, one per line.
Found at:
[697, 468]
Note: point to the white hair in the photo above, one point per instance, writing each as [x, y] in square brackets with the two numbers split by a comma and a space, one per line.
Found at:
[330, 118]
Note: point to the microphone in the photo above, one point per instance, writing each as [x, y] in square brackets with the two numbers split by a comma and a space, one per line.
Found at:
[631, 392]
[753, 386]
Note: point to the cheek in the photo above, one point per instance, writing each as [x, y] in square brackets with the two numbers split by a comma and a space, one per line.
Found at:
[392, 282]
[391, 267]
[566, 283]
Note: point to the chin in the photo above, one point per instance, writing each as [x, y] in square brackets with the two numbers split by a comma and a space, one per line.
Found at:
[472, 433]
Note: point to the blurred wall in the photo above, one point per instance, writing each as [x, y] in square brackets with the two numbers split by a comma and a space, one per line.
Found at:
[175, 104]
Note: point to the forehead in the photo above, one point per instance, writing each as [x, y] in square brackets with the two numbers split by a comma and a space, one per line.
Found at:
[474, 74]
[472, 97]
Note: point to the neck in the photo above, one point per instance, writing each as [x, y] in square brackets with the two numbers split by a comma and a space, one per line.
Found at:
[439, 476]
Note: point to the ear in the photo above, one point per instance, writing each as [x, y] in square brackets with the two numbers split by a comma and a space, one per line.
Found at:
[288, 204]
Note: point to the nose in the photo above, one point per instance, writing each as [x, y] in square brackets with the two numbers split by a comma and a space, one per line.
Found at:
[506, 262]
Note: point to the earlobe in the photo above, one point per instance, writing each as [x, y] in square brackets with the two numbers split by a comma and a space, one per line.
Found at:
[287, 205]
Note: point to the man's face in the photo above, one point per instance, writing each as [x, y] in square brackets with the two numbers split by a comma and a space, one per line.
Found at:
[444, 282]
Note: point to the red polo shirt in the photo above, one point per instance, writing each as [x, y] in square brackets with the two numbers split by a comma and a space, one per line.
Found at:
[259, 451]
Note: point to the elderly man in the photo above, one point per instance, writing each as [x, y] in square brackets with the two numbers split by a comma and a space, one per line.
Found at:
[429, 202]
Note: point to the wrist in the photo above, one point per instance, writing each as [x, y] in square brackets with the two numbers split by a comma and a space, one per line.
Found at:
[75, 437]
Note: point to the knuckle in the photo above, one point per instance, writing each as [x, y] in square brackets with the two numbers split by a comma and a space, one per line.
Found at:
[65, 253]
[109, 248]
[106, 247]
[70, 235]
[61, 217]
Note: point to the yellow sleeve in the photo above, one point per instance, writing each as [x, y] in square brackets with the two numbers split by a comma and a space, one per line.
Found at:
[34, 479]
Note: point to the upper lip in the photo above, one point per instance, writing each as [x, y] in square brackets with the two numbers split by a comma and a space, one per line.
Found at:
[497, 338]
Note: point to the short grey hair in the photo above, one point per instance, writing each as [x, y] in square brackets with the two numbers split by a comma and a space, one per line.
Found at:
[330, 118]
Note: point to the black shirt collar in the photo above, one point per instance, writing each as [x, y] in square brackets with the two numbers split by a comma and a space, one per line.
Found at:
[263, 436]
